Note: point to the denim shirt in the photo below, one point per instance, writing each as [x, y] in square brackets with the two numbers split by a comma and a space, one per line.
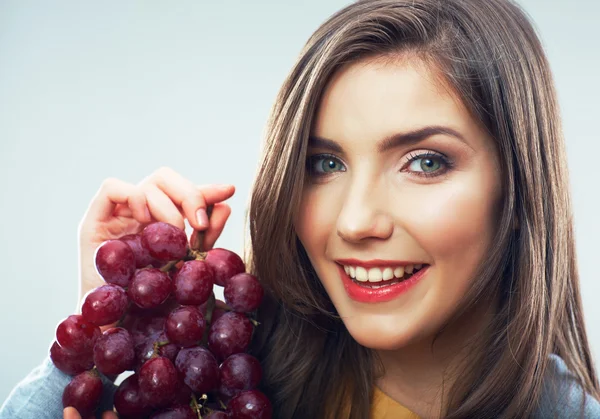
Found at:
[39, 395]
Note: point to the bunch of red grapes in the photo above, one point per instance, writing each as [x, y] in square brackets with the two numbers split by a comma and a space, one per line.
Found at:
[187, 350]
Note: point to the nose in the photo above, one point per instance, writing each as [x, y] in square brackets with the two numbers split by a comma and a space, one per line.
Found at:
[364, 213]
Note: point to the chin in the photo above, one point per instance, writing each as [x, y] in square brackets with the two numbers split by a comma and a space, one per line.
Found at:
[383, 334]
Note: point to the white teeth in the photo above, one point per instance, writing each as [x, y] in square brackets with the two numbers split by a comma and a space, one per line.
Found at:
[380, 274]
[375, 275]
[361, 274]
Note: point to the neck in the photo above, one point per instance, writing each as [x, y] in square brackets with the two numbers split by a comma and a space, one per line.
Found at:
[420, 376]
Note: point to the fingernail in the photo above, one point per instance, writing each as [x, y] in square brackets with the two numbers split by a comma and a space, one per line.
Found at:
[224, 187]
[201, 218]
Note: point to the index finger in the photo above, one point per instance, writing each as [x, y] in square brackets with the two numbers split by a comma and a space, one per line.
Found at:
[192, 199]
[214, 194]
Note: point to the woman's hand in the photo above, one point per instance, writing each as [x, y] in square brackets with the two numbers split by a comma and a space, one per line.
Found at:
[121, 208]
[72, 413]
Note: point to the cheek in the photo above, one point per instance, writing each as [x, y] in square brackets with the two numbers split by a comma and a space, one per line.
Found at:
[316, 218]
[455, 221]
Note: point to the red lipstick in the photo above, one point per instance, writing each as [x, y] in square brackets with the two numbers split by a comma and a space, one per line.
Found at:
[382, 293]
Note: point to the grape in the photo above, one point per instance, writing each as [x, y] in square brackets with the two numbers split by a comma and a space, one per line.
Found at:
[128, 399]
[77, 335]
[158, 381]
[104, 305]
[243, 293]
[114, 352]
[145, 350]
[218, 313]
[161, 311]
[142, 325]
[198, 368]
[216, 414]
[176, 412]
[193, 283]
[164, 241]
[70, 363]
[185, 326]
[225, 264]
[239, 372]
[149, 288]
[83, 392]
[230, 334]
[251, 404]
[143, 258]
[115, 262]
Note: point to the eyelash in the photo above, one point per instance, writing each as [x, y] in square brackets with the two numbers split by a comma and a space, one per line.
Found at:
[311, 160]
[445, 162]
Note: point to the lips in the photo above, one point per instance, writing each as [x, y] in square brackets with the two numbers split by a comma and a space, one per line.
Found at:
[364, 289]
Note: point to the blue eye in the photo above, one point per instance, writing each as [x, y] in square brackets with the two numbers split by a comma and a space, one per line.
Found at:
[324, 164]
[428, 164]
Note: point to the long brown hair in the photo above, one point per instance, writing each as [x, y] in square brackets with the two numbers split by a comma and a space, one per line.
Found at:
[489, 53]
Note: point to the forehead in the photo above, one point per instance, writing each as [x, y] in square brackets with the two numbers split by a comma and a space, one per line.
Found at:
[377, 98]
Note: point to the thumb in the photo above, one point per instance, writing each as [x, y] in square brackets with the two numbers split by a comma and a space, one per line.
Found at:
[71, 413]
[109, 415]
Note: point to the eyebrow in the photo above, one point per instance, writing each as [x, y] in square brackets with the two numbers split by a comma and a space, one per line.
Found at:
[393, 141]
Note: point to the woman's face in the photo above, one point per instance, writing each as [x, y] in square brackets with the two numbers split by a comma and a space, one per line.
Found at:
[400, 176]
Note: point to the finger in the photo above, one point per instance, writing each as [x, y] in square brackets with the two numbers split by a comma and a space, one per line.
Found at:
[191, 199]
[109, 415]
[162, 208]
[216, 193]
[122, 211]
[211, 195]
[71, 413]
[114, 192]
[218, 219]
[181, 192]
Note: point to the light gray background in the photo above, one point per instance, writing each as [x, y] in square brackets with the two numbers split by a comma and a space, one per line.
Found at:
[90, 90]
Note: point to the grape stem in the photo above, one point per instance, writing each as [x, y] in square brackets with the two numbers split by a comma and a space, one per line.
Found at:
[167, 268]
[222, 404]
[199, 242]
[196, 407]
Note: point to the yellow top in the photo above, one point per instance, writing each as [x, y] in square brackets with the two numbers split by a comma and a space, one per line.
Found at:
[384, 407]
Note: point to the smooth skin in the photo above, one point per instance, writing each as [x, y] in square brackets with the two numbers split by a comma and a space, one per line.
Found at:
[121, 208]
[430, 200]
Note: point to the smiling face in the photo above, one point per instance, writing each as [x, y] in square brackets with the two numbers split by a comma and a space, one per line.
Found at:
[399, 174]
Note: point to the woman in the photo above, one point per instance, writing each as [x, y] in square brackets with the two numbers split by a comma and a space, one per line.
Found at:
[410, 222]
